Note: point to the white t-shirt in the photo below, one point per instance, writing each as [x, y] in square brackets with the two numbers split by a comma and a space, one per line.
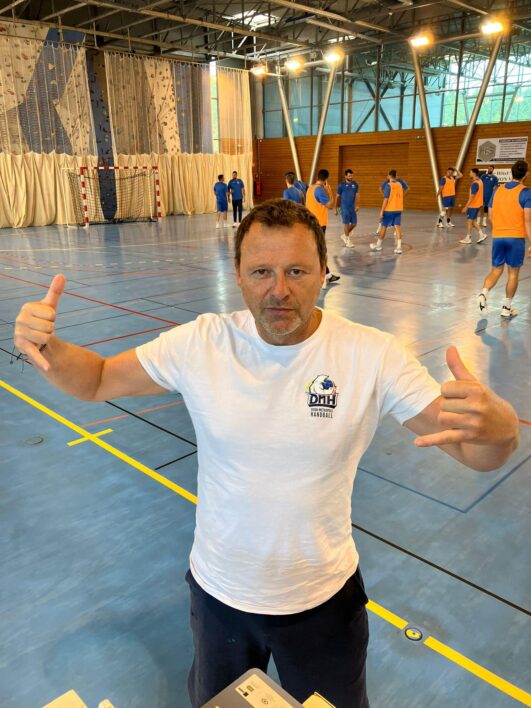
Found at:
[280, 431]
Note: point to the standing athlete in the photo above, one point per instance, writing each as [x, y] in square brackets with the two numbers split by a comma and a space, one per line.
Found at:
[472, 207]
[237, 193]
[221, 190]
[291, 192]
[347, 196]
[391, 211]
[510, 214]
[274, 569]
[447, 192]
[490, 185]
[319, 200]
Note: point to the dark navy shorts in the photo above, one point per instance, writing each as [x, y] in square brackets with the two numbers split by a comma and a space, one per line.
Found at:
[349, 216]
[510, 251]
[391, 218]
[323, 649]
[448, 202]
[472, 214]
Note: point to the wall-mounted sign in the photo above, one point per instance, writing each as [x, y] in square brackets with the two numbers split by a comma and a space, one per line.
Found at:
[501, 150]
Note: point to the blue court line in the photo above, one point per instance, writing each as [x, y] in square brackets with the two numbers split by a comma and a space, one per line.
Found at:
[497, 484]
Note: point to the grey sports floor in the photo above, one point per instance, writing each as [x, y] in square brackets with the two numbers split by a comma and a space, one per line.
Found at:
[93, 549]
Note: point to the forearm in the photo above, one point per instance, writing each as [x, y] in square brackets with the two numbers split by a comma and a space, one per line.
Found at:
[75, 370]
[385, 202]
[482, 458]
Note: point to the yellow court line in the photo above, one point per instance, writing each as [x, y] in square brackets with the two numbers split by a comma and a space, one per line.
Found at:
[501, 684]
[91, 437]
[101, 443]
[432, 643]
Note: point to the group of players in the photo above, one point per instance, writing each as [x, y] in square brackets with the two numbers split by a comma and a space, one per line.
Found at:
[508, 206]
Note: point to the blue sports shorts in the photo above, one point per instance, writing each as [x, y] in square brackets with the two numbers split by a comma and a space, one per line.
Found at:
[222, 205]
[391, 218]
[510, 251]
[448, 202]
[349, 216]
[472, 214]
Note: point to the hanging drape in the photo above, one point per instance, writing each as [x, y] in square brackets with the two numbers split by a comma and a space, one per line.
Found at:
[191, 120]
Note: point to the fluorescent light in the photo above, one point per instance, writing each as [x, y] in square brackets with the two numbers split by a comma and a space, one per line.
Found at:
[492, 26]
[294, 64]
[259, 70]
[421, 40]
[333, 56]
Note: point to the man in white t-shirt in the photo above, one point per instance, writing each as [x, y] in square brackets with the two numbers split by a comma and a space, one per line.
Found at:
[285, 398]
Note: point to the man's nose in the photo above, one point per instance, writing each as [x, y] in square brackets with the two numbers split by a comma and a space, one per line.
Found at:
[280, 287]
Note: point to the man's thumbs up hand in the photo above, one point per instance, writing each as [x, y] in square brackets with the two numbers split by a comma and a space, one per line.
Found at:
[35, 324]
[469, 411]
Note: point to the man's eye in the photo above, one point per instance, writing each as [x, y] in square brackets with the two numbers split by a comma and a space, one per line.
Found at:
[296, 271]
[260, 272]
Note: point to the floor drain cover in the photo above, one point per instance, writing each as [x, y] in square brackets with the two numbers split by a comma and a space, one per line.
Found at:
[414, 634]
[34, 440]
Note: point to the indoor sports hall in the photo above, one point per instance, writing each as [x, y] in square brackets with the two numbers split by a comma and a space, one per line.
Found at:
[135, 141]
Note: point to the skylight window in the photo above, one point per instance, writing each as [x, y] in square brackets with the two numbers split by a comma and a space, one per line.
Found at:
[258, 20]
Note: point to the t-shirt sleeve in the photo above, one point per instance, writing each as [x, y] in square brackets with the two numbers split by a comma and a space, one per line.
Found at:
[443, 181]
[495, 182]
[525, 198]
[340, 189]
[286, 194]
[406, 387]
[474, 188]
[321, 196]
[164, 358]
[387, 190]
[404, 184]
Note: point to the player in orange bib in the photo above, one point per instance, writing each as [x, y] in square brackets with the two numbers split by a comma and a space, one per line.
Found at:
[447, 192]
[391, 212]
[319, 200]
[472, 207]
[510, 213]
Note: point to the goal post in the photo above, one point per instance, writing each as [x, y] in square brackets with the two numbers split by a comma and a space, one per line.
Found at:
[107, 194]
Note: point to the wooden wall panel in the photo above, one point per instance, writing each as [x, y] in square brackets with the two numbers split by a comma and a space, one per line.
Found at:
[404, 150]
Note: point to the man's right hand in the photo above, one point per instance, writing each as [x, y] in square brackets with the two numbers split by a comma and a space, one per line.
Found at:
[35, 324]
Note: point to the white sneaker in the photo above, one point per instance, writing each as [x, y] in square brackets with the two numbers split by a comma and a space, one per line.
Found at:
[440, 224]
[398, 250]
[234, 225]
[484, 224]
[466, 240]
[449, 224]
[375, 246]
[218, 226]
[348, 242]
[343, 238]
[508, 312]
[482, 303]
[482, 237]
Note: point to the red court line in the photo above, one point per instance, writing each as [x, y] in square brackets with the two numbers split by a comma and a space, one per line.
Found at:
[144, 410]
[90, 299]
[124, 336]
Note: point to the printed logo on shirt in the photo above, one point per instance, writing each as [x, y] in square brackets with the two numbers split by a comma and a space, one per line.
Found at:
[322, 396]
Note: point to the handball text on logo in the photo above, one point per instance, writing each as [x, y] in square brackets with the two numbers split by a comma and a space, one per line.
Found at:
[322, 396]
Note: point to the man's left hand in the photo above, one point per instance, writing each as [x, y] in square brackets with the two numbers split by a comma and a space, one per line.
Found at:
[471, 412]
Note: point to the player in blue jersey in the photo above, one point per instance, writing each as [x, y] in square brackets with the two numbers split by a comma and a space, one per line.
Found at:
[237, 194]
[221, 190]
[291, 192]
[490, 185]
[347, 198]
[300, 184]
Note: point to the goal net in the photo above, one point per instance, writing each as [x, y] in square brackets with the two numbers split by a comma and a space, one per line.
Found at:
[107, 195]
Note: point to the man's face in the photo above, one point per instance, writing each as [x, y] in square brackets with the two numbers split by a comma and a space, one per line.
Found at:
[234, 175]
[472, 175]
[349, 176]
[449, 173]
[490, 170]
[280, 278]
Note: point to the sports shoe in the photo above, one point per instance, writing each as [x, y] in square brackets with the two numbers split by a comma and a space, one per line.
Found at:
[333, 278]
[343, 238]
[234, 225]
[508, 312]
[449, 223]
[218, 225]
[482, 237]
[440, 224]
[375, 247]
[466, 240]
[398, 250]
[348, 242]
[484, 224]
[482, 303]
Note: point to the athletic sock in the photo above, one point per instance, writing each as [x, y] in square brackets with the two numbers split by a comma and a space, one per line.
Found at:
[485, 291]
[399, 243]
[507, 303]
[379, 242]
